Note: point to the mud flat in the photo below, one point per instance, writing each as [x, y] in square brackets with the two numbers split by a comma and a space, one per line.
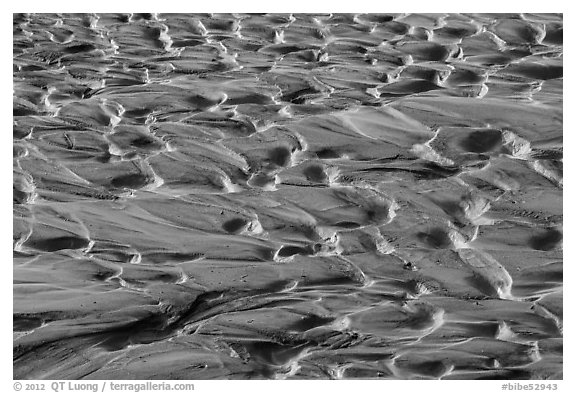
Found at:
[276, 196]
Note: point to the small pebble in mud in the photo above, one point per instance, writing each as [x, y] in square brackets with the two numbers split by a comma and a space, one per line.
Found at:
[410, 266]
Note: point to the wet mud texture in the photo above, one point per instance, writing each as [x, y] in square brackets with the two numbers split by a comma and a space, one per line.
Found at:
[287, 196]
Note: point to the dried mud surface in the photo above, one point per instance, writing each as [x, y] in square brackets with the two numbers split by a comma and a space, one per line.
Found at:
[282, 196]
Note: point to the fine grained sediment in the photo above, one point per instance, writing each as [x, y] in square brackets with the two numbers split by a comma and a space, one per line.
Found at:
[242, 196]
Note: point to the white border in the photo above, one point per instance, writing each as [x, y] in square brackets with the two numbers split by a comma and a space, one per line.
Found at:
[309, 6]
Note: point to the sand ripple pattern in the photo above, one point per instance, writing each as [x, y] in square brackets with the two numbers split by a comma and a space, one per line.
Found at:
[281, 196]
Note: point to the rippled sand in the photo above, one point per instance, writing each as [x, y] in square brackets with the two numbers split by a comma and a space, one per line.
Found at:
[288, 196]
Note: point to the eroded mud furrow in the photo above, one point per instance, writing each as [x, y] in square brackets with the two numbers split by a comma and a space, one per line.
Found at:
[287, 196]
